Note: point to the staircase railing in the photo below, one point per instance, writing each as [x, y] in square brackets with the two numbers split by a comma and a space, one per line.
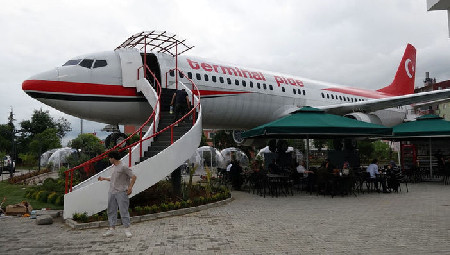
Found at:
[69, 174]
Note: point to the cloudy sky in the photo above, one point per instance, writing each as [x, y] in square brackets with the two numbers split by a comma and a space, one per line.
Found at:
[350, 42]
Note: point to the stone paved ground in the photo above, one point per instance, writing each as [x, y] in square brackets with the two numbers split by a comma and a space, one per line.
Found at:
[417, 222]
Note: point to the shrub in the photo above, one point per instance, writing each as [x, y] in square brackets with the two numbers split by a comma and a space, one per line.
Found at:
[80, 217]
[154, 209]
[170, 206]
[52, 197]
[43, 196]
[164, 207]
[60, 200]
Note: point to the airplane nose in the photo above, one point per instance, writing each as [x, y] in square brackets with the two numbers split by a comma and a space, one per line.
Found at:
[40, 82]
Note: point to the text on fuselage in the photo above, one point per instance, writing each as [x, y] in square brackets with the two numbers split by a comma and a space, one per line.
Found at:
[241, 73]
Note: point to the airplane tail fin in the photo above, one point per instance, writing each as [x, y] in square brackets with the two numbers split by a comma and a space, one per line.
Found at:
[403, 82]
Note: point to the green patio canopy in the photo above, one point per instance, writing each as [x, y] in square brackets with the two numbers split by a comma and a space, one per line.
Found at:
[425, 126]
[314, 123]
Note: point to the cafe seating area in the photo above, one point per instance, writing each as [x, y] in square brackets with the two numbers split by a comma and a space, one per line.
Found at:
[322, 182]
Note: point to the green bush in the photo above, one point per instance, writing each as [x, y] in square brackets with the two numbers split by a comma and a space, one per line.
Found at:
[154, 209]
[52, 197]
[43, 196]
[80, 217]
[164, 207]
[59, 200]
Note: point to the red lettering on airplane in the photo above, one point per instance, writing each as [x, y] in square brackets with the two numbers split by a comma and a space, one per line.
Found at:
[282, 80]
[226, 70]
[234, 71]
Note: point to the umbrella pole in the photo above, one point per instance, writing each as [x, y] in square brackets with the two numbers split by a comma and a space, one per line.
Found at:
[431, 159]
[307, 152]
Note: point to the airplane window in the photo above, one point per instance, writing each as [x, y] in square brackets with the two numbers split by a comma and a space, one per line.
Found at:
[244, 84]
[251, 84]
[72, 62]
[198, 76]
[190, 75]
[332, 97]
[304, 92]
[258, 85]
[181, 75]
[328, 96]
[236, 82]
[264, 86]
[100, 63]
[282, 88]
[271, 87]
[348, 99]
[86, 63]
[299, 91]
[229, 81]
[295, 92]
[323, 96]
[206, 77]
[213, 78]
[172, 73]
[340, 98]
[221, 79]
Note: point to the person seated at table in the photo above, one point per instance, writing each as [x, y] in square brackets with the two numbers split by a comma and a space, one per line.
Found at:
[274, 168]
[302, 170]
[236, 178]
[375, 177]
[346, 168]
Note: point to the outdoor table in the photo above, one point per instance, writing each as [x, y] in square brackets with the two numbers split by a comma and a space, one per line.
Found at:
[278, 183]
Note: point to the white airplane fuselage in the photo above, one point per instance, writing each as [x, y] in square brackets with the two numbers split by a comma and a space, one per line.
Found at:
[101, 87]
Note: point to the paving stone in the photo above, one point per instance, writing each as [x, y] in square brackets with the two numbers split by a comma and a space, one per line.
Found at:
[417, 222]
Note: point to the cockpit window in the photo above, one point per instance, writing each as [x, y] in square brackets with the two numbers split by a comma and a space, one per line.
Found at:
[100, 63]
[72, 62]
[86, 63]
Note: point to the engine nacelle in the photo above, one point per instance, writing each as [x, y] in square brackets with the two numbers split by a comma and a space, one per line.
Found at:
[369, 118]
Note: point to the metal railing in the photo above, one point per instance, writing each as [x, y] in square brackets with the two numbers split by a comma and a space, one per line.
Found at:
[69, 174]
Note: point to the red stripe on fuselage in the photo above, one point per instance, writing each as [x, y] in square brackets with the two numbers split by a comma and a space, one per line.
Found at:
[360, 92]
[77, 88]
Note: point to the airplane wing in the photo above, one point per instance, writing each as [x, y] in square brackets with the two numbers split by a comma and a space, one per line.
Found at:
[389, 102]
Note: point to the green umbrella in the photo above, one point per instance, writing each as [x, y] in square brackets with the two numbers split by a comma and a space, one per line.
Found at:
[427, 126]
[312, 122]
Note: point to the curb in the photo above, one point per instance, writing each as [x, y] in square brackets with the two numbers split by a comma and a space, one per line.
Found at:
[135, 219]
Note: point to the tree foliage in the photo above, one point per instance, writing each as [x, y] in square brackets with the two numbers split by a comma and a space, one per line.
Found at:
[224, 139]
[88, 144]
[5, 138]
[44, 141]
[41, 120]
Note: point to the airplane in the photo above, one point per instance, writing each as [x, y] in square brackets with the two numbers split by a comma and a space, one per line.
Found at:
[107, 87]
[101, 87]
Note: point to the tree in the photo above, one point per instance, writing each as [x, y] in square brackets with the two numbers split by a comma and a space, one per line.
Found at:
[319, 144]
[223, 139]
[88, 144]
[41, 120]
[5, 138]
[45, 141]
[366, 149]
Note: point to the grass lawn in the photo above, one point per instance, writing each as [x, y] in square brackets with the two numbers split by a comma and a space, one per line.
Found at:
[16, 193]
